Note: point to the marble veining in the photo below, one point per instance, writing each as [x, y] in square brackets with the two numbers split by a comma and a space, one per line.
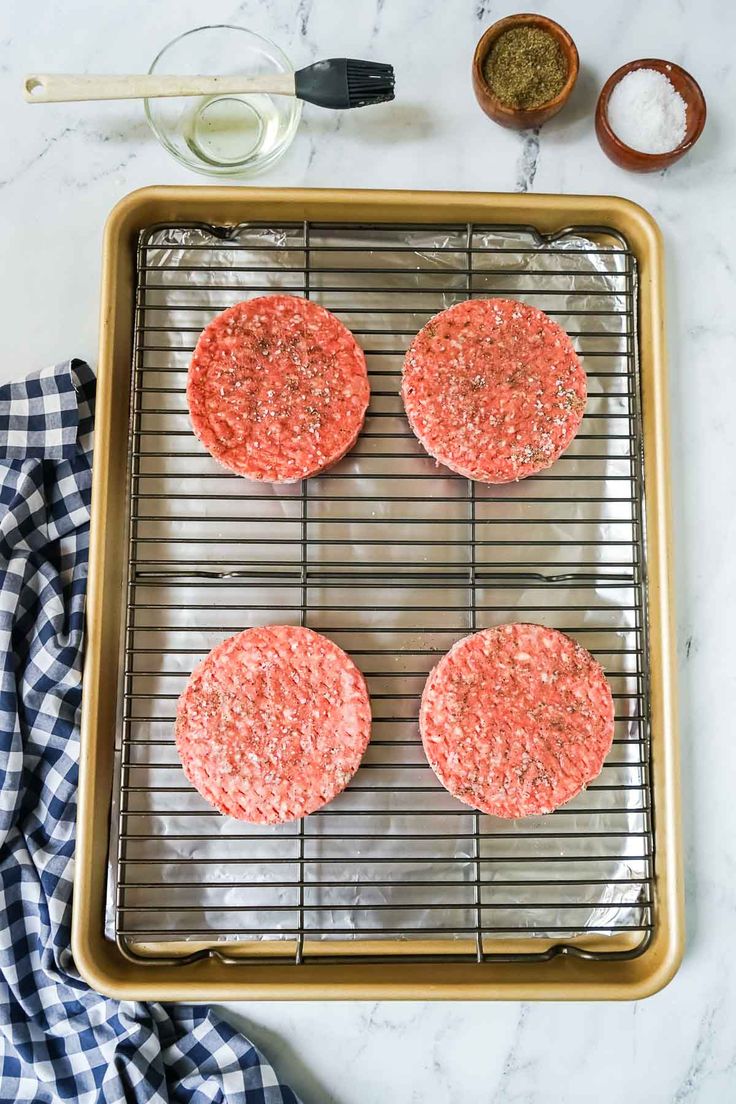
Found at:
[62, 168]
[526, 165]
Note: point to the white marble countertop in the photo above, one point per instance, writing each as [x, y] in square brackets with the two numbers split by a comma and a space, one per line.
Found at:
[63, 167]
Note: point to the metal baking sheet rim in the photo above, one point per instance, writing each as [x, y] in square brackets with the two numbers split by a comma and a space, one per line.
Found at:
[101, 962]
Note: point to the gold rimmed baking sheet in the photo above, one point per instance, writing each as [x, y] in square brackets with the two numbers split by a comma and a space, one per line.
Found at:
[632, 944]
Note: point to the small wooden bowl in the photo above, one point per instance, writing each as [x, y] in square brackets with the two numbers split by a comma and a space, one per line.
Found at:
[635, 160]
[518, 118]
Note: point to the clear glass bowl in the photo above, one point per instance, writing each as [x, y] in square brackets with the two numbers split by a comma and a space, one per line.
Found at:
[224, 135]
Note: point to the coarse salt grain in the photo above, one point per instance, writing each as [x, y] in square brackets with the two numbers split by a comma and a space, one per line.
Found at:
[646, 111]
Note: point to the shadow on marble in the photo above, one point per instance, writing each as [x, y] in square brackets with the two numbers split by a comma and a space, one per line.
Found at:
[288, 1064]
[407, 122]
[581, 105]
[119, 128]
[685, 554]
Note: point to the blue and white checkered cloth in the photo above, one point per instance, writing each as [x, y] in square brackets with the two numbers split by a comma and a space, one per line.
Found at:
[59, 1040]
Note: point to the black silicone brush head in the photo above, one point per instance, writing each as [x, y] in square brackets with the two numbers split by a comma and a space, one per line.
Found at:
[344, 82]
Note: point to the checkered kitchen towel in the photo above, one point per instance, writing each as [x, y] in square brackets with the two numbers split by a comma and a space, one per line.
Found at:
[58, 1039]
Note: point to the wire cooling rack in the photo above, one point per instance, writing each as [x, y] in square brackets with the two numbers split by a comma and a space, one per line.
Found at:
[395, 559]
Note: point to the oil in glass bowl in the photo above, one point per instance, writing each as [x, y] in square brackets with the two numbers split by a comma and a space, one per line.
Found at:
[228, 134]
[232, 130]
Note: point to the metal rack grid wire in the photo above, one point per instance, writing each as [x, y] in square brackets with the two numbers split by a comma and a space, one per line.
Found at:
[395, 559]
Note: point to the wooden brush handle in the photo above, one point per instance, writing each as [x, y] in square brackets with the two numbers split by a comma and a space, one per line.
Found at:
[63, 87]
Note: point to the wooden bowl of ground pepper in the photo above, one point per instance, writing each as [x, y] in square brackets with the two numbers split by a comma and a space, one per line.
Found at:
[524, 69]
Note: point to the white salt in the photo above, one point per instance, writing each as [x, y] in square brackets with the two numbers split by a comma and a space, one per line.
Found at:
[646, 111]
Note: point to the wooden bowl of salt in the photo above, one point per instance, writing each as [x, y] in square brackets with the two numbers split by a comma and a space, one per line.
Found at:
[635, 123]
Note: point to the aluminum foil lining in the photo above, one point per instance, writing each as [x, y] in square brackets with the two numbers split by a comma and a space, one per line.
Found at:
[394, 856]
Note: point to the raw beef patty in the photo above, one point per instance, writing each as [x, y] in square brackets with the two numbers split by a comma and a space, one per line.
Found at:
[516, 720]
[273, 724]
[277, 388]
[494, 389]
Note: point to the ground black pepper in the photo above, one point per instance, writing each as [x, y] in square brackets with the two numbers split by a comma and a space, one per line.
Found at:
[525, 67]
